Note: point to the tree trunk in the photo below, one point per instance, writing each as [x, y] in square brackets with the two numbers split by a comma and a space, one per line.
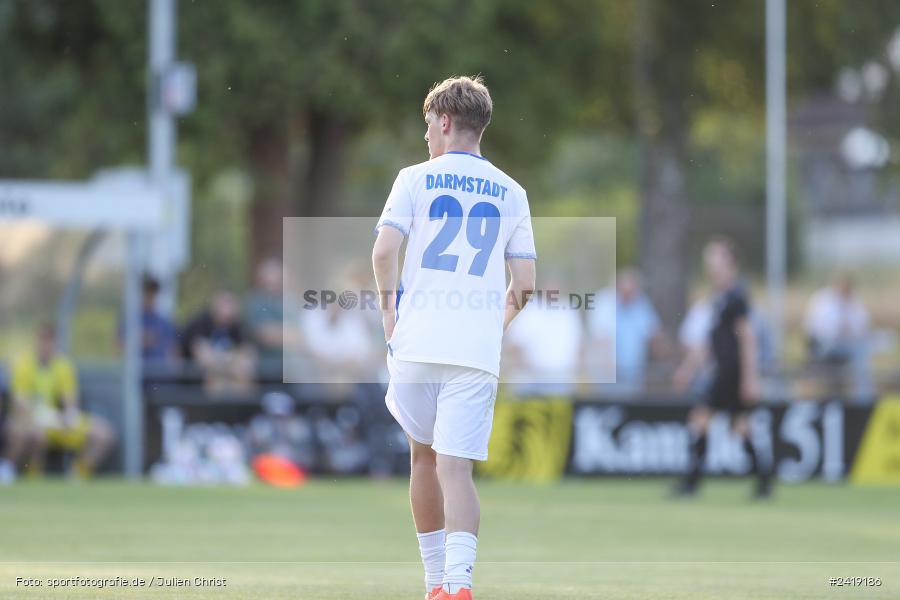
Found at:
[664, 230]
[271, 168]
[662, 132]
[308, 185]
[328, 136]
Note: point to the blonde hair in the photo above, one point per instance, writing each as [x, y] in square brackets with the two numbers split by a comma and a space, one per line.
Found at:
[466, 99]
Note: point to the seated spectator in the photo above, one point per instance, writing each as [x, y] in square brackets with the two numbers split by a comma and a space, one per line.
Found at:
[215, 341]
[837, 330]
[45, 413]
[543, 345]
[624, 322]
[694, 372]
[158, 339]
[264, 314]
[341, 344]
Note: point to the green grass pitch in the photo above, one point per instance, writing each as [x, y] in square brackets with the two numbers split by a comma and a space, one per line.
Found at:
[605, 539]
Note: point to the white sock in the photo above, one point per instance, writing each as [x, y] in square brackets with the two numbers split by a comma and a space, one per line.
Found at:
[460, 561]
[431, 547]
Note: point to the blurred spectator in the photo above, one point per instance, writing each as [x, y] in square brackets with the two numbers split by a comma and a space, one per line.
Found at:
[215, 341]
[544, 345]
[693, 336]
[341, 343]
[625, 324]
[837, 330]
[765, 344]
[7, 470]
[158, 336]
[45, 414]
[358, 276]
[4, 389]
[697, 322]
[264, 314]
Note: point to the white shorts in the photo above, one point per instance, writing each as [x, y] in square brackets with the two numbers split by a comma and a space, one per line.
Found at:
[448, 407]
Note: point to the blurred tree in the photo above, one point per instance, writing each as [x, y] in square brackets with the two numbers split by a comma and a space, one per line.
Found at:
[286, 86]
[699, 77]
[72, 87]
[689, 58]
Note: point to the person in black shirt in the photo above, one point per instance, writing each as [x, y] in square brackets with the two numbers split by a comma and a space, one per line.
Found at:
[734, 384]
[215, 341]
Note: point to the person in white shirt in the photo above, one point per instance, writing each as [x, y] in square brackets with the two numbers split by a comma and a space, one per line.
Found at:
[465, 222]
[837, 329]
[343, 344]
[544, 345]
[694, 371]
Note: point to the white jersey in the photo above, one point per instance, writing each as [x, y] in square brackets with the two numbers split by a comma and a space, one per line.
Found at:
[463, 217]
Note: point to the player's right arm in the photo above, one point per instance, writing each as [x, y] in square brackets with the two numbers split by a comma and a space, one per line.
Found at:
[522, 273]
[393, 226]
[385, 263]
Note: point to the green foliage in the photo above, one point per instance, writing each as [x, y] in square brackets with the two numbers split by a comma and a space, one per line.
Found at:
[73, 87]
[220, 243]
[76, 71]
[561, 75]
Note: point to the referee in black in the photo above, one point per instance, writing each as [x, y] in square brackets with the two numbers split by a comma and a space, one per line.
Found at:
[734, 383]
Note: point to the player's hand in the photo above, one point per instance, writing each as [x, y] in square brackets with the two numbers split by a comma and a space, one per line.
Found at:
[388, 321]
[750, 390]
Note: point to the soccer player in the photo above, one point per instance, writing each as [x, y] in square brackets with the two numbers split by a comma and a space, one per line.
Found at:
[465, 221]
[734, 386]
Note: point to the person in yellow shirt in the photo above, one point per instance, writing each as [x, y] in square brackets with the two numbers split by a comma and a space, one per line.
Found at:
[45, 413]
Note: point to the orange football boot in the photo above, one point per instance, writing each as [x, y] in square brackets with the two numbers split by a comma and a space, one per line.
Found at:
[434, 593]
[462, 594]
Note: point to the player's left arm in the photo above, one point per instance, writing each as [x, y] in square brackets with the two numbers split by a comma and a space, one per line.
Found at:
[750, 375]
[520, 255]
[385, 263]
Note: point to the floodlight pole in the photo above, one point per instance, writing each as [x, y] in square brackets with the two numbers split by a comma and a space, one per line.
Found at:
[776, 158]
[133, 405]
[160, 150]
[162, 135]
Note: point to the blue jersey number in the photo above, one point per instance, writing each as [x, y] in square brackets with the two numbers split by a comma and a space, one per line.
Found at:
[482, 229]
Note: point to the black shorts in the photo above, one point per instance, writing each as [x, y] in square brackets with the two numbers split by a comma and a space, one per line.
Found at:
[725, 395]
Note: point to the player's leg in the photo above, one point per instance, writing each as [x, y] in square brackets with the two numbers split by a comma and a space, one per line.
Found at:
[465, 411]
[412, 400]
[698, 425]
[759, 465]
[462, 512]
[427, 503]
